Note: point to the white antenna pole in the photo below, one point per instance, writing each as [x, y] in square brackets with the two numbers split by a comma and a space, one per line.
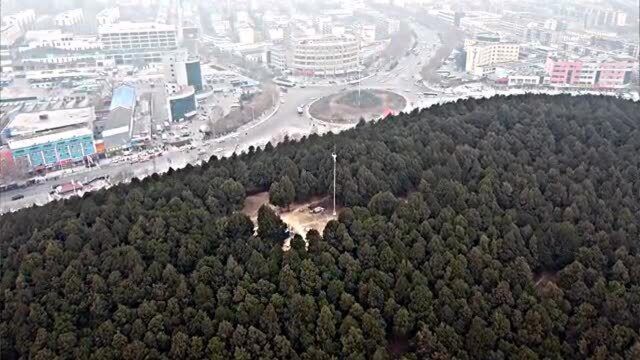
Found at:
[334, 182]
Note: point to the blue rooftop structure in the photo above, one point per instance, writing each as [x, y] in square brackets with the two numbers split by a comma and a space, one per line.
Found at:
[124, 96]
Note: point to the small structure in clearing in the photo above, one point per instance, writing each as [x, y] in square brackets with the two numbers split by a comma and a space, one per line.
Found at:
[300, 217]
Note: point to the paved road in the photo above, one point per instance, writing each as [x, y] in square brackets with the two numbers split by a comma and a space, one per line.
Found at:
[285, 121]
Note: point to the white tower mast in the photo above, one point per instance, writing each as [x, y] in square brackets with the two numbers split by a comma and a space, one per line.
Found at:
[334, 181]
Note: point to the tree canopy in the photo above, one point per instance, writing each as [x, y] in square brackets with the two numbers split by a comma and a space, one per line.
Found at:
[503, 228]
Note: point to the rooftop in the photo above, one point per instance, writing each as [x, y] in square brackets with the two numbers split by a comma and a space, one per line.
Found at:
[48, 138]
[126, 26]
[124, 96]
[40, 121]
[9, 34]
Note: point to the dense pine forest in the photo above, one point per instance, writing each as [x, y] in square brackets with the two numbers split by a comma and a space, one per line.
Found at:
[504, 228]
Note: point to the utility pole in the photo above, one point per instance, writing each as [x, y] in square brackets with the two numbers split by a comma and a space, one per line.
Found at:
[334, 180]
[359, 78]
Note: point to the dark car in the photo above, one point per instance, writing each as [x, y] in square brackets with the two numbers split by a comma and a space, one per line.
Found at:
[17, 197]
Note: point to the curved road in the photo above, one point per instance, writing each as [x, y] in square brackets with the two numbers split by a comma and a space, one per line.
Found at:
[285, 121]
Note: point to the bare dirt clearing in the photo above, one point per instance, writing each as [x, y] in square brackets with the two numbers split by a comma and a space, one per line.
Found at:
[299, 217]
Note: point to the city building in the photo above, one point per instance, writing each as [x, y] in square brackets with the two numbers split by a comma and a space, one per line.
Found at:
[338, 30]
[24, 19]
[366, 32]
[108, 16]
[182, 104]
[52, 78]
[385, 27]
[130, 43]
[9, 37]
[246, 34]
[51, 137]
[256, 53]
[69, 19]
[323, 24]
[524, 80]
[57, 39]
[600, 16]
[219, 24]
[609, 73]
[191, 38]
[277, 57]
[53, 150]
[555, 25]
[276, 33]
[40, 59]
[486, 51]
[542, 35]
[449, 16]
[325, 55]
[181, 70]
[116, 130]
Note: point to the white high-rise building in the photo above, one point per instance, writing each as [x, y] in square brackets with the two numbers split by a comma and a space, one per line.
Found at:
[23, 19]
[69, 18]
[483, 55]
[108, 16]
[182, 70]
[127, 42]
[366, 32]
[9, 35]
[325, 55]
[246, 34]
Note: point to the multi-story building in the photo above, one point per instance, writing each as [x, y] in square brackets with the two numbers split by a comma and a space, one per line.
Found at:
[277, 57]
[108, 16]
[69, 18]
[600, 16]
[23, 19]
[325, 55]
[484, 54]
[246, 34]
[51, 138]
[386, 26]
[535, 33]
[366, 32]
[116, 130]
[56, 39]
[50, 78]
[323, 24]
[591, 73]
[449, 16]
[182, 104]
[182, 70]
[42, 59]
[276, 33]
[9, 36]
[128, 43]
[523, 80]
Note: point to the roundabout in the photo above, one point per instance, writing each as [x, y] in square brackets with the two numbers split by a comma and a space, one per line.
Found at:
[349, 106]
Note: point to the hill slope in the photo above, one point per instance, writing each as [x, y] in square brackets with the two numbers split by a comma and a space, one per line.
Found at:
[491, 229]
